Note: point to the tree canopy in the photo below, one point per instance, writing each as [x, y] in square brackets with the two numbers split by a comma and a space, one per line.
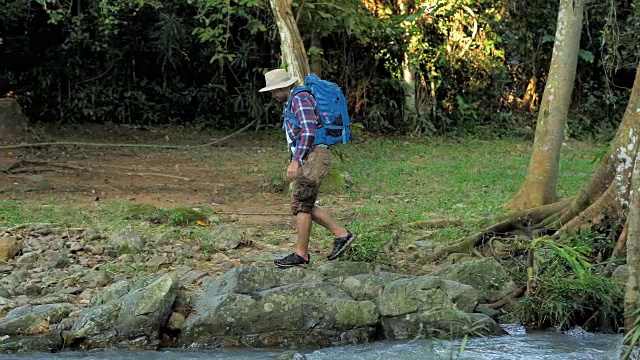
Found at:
[201, 61]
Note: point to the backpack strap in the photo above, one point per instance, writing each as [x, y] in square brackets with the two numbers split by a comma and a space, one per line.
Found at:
[287, 110]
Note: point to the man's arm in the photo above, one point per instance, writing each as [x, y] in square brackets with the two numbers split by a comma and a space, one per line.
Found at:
[304, 109]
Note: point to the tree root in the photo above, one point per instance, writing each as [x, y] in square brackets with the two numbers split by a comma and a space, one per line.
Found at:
[440, 223]
[519, 221]
[151, 146]
[507, 299]
[20, 166]
[618, 250]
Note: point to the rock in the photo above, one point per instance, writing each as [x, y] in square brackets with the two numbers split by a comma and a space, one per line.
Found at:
[59, 260]
[487, 276]
[9, 247]
[127, 241]
[32, 289]
[6, 268]
[28, 260]
[33, 319]
[133, 320]
[218, 258]
[50, 342]
[158, 261]
[224, 237]
[51, 299]
[409, 295]
[620, 275]
[344, 268]
[446, 322]
[75, 247]
[4, 292]
[41, 230]
[5, 304]
[74, 290]
[291, 356]
[367, 286]
[121, 288]
[175, 321]
[246, 306]
[432, 307]
[96, 279]
[97, 250]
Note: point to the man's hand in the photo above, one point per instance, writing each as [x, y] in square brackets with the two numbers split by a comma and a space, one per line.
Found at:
[292, 170]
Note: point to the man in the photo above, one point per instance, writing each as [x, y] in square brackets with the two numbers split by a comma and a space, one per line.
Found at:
[308, 166]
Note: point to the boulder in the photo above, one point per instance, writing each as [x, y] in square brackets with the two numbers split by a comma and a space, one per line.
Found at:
[368, 286]
[50, 342]
[422, 293]
[33, 319]
[127, 241]
[487, 276]
[227, 237]
[258, 307]
[132, 321]
[9, 247]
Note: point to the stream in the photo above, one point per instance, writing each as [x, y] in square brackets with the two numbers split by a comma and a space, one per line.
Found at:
[544, 345]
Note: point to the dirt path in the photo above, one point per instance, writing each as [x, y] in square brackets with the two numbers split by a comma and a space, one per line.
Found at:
[229, 177]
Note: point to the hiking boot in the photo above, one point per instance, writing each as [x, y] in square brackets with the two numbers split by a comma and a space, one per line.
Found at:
[292, 259]
[340, 245]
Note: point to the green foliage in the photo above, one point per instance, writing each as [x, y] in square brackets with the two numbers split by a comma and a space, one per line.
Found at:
[202, 61]
[567, 288]
[565, 300]
[632, 338]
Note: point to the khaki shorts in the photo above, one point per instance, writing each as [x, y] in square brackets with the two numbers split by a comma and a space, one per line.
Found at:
[310, 176]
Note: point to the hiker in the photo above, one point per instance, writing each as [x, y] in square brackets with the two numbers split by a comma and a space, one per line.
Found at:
[309, 164]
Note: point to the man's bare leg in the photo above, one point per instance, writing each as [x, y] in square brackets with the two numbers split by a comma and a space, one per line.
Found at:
[303, 224]
[323, 218]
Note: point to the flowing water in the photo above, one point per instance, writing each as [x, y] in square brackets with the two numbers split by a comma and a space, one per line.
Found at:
[572, 345]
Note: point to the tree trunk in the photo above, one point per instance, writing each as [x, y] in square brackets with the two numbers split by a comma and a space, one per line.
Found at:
[316, 57]
[539, 187]
[294, 54]
[629, 166]
[408, 68]
[605, 199]
[13, 124]
[632, 290]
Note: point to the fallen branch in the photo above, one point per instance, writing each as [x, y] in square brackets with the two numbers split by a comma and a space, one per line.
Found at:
[161, 175]
[152, 146]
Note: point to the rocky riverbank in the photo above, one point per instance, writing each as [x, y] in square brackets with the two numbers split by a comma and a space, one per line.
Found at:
[57, 293]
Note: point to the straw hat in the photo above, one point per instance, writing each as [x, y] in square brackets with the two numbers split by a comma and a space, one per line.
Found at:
[277, 79]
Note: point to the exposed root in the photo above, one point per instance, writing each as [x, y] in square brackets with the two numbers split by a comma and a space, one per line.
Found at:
[618, 250]
[439, 223]
[594, 214]
[516, 222]
[507, 299]
[21, 166]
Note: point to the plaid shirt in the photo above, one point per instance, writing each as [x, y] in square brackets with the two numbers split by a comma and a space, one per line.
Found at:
[303, 107]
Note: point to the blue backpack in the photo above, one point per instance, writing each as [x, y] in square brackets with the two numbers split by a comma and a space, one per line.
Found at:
[331, 104]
